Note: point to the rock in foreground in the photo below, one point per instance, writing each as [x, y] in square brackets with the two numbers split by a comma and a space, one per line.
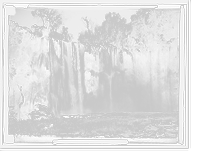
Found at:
[41, 112]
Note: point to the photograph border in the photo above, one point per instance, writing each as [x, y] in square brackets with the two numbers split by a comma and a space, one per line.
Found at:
[183, 74]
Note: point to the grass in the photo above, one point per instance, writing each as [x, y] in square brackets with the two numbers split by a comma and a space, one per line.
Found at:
[110, 125]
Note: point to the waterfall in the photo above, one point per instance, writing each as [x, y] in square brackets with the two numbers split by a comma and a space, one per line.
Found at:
[121, 57]
[55, 78]
[66, 91]
[108, 59]
[67, 49]
[79, 79]
[78, 73]
[66, 82]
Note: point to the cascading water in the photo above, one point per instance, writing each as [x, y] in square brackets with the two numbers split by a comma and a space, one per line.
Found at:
[74, 80]
[72, 89]
[55, 93]
[66, 83]
[121, 57]
[80, 78]
[109, 73]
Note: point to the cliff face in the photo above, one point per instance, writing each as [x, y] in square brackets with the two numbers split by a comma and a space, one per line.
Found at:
[29, 67]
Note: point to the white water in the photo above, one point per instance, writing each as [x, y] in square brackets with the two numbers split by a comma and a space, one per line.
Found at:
[67, 52]
[66, 85]
[121, 57]
[67, 89]
[55, 67]
[109, 73]
[80, 78]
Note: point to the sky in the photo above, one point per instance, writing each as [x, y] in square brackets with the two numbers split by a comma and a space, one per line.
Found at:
[72, 17]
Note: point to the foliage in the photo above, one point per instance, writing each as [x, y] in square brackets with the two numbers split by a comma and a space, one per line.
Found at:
[50, 18]
[26, 68]
[65, 34]
[88, 38]
[29, 59]
[19, 53]
[113, 30]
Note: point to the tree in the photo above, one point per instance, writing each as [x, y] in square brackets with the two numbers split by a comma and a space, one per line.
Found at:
[51, 20]
[65, 34]
[99, 34]
[112, 31]
[87, 24]
[114, 27]
[87, 36]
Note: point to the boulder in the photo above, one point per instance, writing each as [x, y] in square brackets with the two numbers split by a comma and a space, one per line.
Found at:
[160, 132]
[44, 126]
[40, 112]
[154, 130]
